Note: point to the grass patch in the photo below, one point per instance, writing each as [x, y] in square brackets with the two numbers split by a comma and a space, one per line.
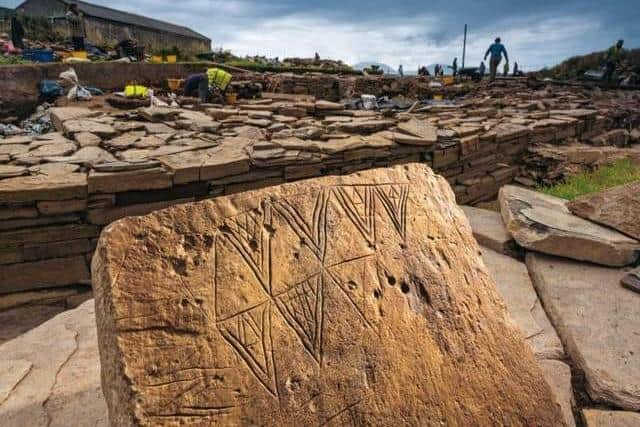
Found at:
[620, 172]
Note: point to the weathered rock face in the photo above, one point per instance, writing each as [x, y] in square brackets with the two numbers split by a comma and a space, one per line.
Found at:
[342, 300]
[618, 208]
[544, 223]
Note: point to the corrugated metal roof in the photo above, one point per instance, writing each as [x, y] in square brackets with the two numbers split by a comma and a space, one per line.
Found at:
[109, 14]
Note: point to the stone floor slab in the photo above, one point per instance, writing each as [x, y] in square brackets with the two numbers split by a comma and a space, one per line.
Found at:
[513, 281]
[599, 323]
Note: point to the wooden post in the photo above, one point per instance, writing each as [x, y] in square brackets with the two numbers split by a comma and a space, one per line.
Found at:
[464, 45]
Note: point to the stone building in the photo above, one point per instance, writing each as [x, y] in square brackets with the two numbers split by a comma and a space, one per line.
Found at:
[106, 26]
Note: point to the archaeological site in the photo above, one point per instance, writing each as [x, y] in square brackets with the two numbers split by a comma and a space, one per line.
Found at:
[317, 250]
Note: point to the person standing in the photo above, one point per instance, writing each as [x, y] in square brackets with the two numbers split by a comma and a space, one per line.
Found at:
[401, 70]
[481, 70]
[613, 59]
[75, 19]
[496, 50]
[454, 67]
[17, 32]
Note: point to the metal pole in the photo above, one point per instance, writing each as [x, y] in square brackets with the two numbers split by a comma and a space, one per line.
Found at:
[464, 45]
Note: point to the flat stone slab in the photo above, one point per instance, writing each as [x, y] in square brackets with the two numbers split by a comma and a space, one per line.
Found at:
[558, 375]
[50, 376]
[602, 418]
[59, 115]
[310, 303]
[631, 280]
[423, 129]
[544, 223]
[489, 230]
[514, 284]
[43, 187]
[597, 320]
[618, 208]
[9, 171]
[98, 128]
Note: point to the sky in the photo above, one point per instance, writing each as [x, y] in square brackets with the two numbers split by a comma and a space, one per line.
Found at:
[413, 33]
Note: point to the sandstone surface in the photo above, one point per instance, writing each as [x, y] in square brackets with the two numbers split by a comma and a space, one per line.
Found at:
[513, 282]
[50, 376]
[558, 375]
[489, 230]
[341, 300]
[598, 322]
[603, 418]
[543, 223]
[618, 208]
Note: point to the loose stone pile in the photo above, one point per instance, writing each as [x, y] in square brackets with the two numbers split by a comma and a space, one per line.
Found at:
[57, 190]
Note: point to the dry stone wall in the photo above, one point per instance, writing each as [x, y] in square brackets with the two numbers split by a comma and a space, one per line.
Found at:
[58, 190]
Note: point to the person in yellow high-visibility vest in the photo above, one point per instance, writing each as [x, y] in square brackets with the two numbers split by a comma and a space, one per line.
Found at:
[205, 85]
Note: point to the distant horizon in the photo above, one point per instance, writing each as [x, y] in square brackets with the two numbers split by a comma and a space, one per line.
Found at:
[536, 35]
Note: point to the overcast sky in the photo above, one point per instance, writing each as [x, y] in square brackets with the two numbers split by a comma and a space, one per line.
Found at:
[536, 33]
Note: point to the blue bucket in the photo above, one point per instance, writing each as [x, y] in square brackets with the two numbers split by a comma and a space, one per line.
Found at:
[38, 55]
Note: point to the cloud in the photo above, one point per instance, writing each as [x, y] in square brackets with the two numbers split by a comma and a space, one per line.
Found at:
[408, 32]
[535, 41]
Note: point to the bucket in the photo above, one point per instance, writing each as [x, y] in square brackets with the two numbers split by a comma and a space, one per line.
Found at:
[82, 54]
[438, 97]
[448, 80]
[156, 59]
[173, 84]
[172, 59]
[136, 91]
[232, 98]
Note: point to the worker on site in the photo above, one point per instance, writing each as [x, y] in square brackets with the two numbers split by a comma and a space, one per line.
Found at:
[454, 67]
[401, 71]
[127, 47]
[496, 50]
[613, 59]
[75, 19]
[207, 85]
[17, 32]
[515, 69]
[481, 70]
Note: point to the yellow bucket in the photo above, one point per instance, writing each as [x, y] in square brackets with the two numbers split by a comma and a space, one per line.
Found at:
[136, 91]
[172, 59]
[82, 54]
[231, 98]
[448, 80]
[156, 59]
[438, 97]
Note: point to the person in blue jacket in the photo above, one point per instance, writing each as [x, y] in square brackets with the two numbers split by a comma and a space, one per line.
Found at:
[496, 50]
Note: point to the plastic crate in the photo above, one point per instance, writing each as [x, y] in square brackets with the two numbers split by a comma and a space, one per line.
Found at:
[38, 55]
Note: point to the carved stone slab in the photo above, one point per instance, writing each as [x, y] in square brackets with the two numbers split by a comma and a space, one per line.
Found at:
[355, 300]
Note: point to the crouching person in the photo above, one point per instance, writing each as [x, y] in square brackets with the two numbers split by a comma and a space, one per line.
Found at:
[208, 85]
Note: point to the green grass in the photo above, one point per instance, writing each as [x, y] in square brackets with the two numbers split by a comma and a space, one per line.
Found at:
[619, 172]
